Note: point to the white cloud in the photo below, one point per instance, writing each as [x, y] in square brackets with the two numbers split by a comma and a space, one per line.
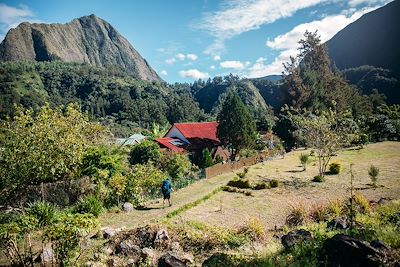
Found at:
[216, 58]
[164, 73]
[234, 64]
[194, 74]
[287, 43]
[212, 67]
[238, 16]
[180, 56]
[11, 16]
[192, 57]
[170, 61]
[354, 3]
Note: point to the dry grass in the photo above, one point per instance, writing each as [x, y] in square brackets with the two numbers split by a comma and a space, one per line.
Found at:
[273, 205]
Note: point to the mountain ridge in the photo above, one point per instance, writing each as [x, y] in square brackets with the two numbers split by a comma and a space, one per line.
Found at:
[88, 39]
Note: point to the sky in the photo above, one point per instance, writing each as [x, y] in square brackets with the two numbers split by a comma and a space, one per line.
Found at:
[186, 40]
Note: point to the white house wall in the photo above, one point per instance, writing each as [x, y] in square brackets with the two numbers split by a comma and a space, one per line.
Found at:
[175, 133]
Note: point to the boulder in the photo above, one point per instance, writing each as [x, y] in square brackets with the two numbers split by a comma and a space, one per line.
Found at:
[47, 257]
[384, 200]
[149, 255]
[145, 236]
[295, 237]
[128, 248]
[175, 259]
[128, 207]
[378, 244]
[338, 224]
[343, 250]
[162, 238]
[107, 233]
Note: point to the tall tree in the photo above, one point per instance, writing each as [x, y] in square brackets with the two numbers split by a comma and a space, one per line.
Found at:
[236, 129]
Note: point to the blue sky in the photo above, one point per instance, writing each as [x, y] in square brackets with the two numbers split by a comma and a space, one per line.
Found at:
[184, 40]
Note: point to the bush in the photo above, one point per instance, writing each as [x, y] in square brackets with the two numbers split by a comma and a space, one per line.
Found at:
[260, 186]
[319, 213]
[89, 204]
[304, 160]
[318, 179]
[44, 212]
[273, 183]
[239, 183]
[297, 216]
[255, 229]
[361, 203]
[206, 160]
[335, 209]
[144, 152]
[373, 173]
[335, 168]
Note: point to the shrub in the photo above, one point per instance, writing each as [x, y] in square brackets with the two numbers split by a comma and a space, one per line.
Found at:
[319, 213]
[89, 204]
[241, 174]
[304, 160]
[255, 229]
[117, 184]
[361, 203]
[206, 160]
[260, 186]
[239, 183]
[44, 212]
[297, 215]
[273, 183]
[144, 152]
[335, 168]
[335, 209]
[373, 173]
[318, 179]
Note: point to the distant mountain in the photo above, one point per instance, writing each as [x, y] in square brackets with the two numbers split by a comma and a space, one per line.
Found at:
[272, 78]
[87, 39]
[372, 40]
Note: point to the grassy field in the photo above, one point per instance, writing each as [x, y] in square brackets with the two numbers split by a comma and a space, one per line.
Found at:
[272, 205]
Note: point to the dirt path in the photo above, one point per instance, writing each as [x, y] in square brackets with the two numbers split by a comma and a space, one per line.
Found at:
[272, 205]
[154, 209]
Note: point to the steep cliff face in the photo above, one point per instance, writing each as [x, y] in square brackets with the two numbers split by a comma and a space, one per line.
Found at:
[88, 39]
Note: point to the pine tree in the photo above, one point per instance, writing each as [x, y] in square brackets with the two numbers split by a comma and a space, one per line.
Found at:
[236, 129]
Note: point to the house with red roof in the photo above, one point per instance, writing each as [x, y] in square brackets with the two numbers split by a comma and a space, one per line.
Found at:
[193, 138]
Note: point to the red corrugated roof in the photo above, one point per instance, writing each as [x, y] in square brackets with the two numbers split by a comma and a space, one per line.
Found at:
[166, 142]
[199, 130]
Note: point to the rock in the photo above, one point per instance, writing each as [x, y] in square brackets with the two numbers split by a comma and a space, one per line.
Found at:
[175, 259]
[131, 262]
[338, 224]
[384, 200]
[127, 207]
[162, 238]
[107, 233]
[295, 237]
[343, 250]
[149, 255]
[175, 246]
[379, 245]
[46, 258]
[145, 236]
[128, 248]
[108, 250]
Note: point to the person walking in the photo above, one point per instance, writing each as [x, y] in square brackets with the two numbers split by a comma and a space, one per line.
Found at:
[166, 191]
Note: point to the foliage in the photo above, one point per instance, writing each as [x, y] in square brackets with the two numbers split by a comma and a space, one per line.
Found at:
[335, 209]
[44, 212]
[236, 129]
[361, 203]
[318, 179]
[335, 168]
[325, 132]
[304, 160]
[297, 215]
[373, 173]
[261, 185]
[239, 183]
[103, 158]
[89, 204]
[319, 213]
[144, 152]
[206, 160]
[273, 183]
[178, 166]
[67, 235]
[46, 146]
[122, 101]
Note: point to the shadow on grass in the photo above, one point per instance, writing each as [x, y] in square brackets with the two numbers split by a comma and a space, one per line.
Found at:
[149, 208]
[297, 183]
[295, 171]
